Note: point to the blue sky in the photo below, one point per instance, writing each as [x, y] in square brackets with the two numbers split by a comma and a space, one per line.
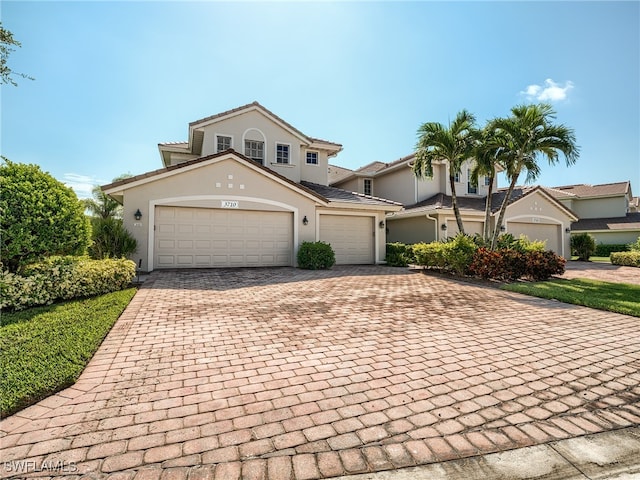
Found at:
[113, 79]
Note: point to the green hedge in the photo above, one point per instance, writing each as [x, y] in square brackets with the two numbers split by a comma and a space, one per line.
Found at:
[316, 256]
[627, 259]
[63, 278]
[604, 250]
[399, 255]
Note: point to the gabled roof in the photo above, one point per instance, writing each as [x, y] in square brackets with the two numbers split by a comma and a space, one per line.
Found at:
[113, 188]
[585, 190]
[334, 194]
[196, 134]
[629, 222]
[477, 205]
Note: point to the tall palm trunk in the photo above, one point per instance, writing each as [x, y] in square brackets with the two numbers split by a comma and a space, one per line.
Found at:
[486, 233]
[503, 210]
[454, 204]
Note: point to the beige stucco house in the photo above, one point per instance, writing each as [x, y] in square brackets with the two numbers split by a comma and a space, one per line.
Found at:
[608, 211]
[428, 214]
[247, 189]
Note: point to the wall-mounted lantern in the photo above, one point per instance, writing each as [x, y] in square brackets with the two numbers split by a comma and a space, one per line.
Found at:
[137, 215]
[443, 227]
[567, 230]
[305, 220]
[502, 228]
[381, 224]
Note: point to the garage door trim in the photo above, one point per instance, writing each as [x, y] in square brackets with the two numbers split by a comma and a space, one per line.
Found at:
[175, 202]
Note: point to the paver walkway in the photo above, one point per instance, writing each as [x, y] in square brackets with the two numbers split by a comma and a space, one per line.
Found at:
[602, 271]
[284, 373]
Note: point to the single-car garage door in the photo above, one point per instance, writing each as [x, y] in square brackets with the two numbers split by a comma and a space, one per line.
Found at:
[538, 231]
[207, 237]
[351, 237]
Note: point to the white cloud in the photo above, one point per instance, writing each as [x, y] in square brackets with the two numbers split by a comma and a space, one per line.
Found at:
[81, 184]
[549, 92]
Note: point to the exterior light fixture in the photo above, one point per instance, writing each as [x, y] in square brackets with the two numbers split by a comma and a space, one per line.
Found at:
[381, 224]
[305, 220]
[137, 215]
[567, 230]
[502, 228]
[443, 227]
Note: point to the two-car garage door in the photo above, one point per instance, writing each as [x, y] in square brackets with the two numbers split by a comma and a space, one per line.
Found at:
[186, 237]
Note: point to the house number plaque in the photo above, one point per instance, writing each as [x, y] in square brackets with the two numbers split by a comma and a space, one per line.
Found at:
[230, 204]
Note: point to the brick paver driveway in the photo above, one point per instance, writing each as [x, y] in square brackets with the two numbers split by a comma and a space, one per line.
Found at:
[283, 373]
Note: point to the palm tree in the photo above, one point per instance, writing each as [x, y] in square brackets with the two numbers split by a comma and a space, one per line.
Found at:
[454, 145]
[523, 137]
[101, 205]
[488, 156]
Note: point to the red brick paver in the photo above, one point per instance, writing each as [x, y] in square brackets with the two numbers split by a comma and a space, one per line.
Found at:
[291, 374]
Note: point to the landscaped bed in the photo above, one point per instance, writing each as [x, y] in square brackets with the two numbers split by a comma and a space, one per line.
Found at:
[45, 349]
[613, 297]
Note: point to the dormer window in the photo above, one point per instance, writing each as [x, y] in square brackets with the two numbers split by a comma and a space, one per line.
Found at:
[282, 154]
[254, 150]
[223, 142]
[312, 158]
[368, 186]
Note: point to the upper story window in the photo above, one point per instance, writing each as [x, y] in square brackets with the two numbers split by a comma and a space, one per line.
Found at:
[312, 158]
[223, 142]
[282, 153]
[367, 186]
[472, 187]
[254, 150]
[487, 181]
[456, 177]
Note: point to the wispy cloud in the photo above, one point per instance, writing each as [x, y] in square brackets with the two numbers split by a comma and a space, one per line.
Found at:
[549, 92]
[81, 184]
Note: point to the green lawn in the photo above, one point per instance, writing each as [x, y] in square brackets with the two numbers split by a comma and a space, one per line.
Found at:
[613, 297]
[44, 349]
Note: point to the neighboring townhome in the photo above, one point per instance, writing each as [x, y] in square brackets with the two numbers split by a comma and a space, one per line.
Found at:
[428, 214]
[608, 211]
[247, 189]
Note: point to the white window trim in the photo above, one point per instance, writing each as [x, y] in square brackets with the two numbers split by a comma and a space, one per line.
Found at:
[364, 182]
[264, 142]
[275, 155]
[317, 164]
[223, 135]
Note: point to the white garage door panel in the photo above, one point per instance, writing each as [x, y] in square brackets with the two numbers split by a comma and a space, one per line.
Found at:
[351, 238]
[200, 238]
[538, 231]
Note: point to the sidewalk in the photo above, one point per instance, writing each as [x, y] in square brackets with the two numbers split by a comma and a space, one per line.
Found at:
[608, 455]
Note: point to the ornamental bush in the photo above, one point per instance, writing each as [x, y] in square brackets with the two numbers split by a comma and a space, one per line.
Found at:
[399, 255]
[63, 278]
[316, 256]
[542, 265]
[458, 253]
[40, 217]
[511, 264]
[583, 245]
[626, 259]
[635, 247]
[111, 239]
[430, 255]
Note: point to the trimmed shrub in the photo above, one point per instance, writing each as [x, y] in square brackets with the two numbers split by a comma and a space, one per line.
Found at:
[511, 264]
[626, 259]
[63, 278]
[542, 265]
[316, 256]
[429, 255]
[521, 244]
[399, 255]
[458, 253]
[583, 245]
[604, 250]
[40, 217]
[635, 247]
